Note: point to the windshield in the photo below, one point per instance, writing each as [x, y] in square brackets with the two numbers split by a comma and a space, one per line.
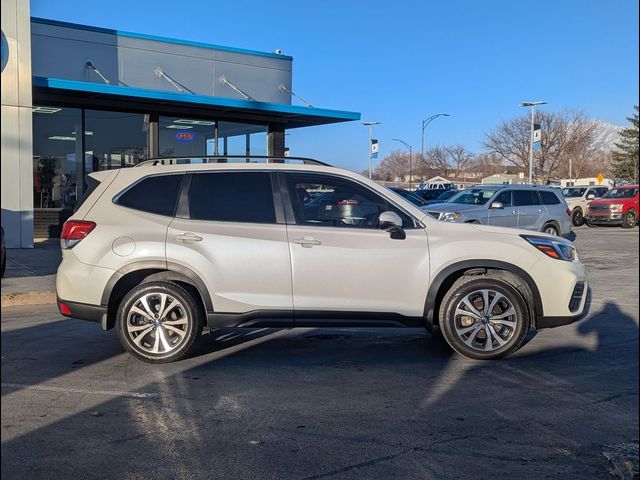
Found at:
[446, 195]
[621, 193]
[412, 197]
[572, 192]
[474, 196]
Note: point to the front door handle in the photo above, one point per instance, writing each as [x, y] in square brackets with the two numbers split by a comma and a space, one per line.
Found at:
[188, 238]
[307, 242]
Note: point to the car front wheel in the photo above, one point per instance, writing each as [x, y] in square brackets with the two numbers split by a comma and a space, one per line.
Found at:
[577, 218]
[483, 317]
[159, 322]
[629, 219]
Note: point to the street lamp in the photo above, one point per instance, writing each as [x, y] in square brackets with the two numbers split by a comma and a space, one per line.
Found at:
[370, 125]
[533, 115]
[426, 122]
[410, 156]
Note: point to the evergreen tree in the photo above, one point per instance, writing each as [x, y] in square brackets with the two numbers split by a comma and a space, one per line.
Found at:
[625, 158]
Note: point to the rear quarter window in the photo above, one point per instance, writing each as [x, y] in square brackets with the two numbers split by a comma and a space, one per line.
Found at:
[157, 194]
[550, 198]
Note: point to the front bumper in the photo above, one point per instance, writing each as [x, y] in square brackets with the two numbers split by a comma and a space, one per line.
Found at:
[604, 218]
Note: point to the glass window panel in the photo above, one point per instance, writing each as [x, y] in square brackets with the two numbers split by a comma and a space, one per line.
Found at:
[115, 139]
[185, 137]
[57, 174]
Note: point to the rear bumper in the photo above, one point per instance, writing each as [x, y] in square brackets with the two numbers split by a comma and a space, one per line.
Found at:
[82, 311]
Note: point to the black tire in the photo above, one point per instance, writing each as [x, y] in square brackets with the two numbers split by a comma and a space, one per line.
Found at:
[629, 220]
[451, 323]
[179, 329]
[577, 217]
[551, 228]
[590, 225]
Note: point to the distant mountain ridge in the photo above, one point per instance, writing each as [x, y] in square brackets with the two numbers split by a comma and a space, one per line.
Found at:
[607, 134]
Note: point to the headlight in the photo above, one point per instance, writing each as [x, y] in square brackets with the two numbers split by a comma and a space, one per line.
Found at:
[616, 207]
[558, 249]
[451, 217]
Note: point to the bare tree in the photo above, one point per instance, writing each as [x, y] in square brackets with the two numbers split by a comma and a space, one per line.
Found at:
[394, 167]
[438, 159]
[459, 158]
[566, 134]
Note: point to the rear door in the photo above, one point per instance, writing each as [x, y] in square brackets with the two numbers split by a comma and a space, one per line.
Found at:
[531, 212]
[229, 231]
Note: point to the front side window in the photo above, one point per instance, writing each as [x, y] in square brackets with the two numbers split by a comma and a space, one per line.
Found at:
[157, 194]
[505, 199]
[245, 197]
[328, 201]
[524, 198]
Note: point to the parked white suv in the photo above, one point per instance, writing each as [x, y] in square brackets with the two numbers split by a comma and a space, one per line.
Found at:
[160, 251]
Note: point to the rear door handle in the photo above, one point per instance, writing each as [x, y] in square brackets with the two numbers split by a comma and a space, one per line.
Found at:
[307, 242]
[188, 238]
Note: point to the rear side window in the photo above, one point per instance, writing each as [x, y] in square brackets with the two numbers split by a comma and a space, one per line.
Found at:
[549, 198]
[523, 198]
[232, 197]
[92, 184]
[157, 194]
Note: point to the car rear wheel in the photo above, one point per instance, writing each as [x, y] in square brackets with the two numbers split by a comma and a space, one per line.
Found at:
[551, 229]
[483, 317]
[159, 322]
[577, 218]
[629, 220]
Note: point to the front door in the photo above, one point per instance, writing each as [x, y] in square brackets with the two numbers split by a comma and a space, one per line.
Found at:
[507, 216]
[342, 261]
[229, 234]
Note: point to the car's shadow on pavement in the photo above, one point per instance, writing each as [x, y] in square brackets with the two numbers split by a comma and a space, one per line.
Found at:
[312, 403]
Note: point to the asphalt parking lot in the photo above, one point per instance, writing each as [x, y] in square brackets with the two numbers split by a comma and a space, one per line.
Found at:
[328, 403]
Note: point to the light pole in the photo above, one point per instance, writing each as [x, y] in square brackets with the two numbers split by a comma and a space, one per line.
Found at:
[370, 125]
[426, 122]
[410, 156]
[533, 116]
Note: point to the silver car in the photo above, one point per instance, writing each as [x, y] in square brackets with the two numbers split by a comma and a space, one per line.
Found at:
[542, 209]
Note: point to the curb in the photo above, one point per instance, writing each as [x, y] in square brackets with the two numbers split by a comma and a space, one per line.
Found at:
[28, 298]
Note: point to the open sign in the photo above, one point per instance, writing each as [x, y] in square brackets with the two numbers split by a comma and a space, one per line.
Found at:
[185, 137]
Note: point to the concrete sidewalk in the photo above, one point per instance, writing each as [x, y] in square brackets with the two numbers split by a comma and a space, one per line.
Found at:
[30, 277]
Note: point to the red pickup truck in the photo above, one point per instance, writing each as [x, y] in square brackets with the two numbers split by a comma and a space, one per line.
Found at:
[619, 206]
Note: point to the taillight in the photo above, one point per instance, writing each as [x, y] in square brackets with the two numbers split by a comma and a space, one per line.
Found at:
[75, 230]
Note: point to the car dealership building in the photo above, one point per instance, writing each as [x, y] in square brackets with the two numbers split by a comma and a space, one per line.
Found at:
[76, 99]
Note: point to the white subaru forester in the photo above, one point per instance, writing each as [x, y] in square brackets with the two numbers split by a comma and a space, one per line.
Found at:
[161, 250]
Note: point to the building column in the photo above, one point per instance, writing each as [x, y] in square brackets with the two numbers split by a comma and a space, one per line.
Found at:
[17, 141]
[275, 140]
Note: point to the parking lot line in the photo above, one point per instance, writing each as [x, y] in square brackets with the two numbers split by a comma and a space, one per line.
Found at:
[110, 393]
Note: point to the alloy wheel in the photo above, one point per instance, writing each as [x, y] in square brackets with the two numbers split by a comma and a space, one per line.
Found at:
[485, 320]
[157, 323]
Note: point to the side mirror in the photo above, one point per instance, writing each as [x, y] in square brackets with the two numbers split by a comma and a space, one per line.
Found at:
[392, 223]
[591, 196]
[497, 205]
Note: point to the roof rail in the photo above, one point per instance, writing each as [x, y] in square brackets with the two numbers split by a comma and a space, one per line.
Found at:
[225, 159]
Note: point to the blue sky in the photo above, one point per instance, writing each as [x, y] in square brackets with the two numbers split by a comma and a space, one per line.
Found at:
[398, 62]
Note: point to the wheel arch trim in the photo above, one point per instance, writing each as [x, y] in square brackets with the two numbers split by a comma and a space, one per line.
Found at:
[459, 267]
[173, 271]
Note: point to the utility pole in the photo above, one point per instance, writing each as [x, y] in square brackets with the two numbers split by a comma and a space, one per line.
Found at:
[370, 125]
[533, 116]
